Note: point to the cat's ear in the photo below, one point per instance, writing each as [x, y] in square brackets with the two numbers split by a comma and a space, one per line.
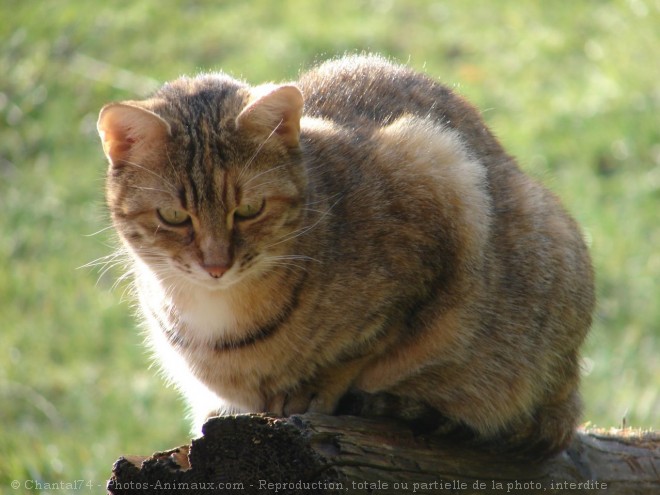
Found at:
[274, 110]
[126, 128]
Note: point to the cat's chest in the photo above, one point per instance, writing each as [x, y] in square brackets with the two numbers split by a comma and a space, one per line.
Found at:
[204, 318]
[190, 315]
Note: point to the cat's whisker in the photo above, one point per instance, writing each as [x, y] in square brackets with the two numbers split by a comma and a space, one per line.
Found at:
[150, 189]
[103, 260]
[169, 161]
[109, 262]
[170, 281]
[316, 167]
[300, 257]
[272, 169]
[304, 230]
[297, 261]
[256, 153]
[109, 266]
[278, 264]
[102, 274]
[130, 289]
[294, 234]
[313, 210]
[142, 167]
[99, 231]
[262, 185]
[265, 172]
[127, 275]
[323, 200]
[113, 259]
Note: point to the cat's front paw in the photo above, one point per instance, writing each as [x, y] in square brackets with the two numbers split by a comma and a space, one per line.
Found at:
[323, 404]
[302, 401]
[298, 403]
[275, 405]
[286, 404]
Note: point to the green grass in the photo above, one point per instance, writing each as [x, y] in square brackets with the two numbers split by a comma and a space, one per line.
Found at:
[571, 88]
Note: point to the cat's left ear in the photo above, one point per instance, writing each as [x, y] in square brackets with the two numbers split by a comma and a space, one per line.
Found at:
[275, 111]
[126, 128]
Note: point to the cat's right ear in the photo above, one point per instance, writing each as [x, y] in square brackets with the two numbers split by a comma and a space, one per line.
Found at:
[274, 110]
[125, 129]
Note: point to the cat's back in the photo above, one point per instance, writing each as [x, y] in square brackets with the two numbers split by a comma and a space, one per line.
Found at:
[362, 92]
[528, 226]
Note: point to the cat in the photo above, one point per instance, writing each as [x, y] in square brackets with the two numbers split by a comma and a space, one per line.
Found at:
[358, 233]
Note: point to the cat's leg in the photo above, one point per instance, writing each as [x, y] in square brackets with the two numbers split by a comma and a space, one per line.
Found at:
[417, 414]
[275, 405]
[320, 395]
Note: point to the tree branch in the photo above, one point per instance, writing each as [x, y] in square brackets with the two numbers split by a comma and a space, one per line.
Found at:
[342, 454]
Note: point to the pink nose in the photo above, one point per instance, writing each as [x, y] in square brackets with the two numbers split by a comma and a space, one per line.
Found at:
[216, 271]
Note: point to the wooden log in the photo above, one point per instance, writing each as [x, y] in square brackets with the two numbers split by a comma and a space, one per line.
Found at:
[308, 454]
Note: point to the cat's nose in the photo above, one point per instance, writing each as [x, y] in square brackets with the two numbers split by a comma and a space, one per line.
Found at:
[216, 271]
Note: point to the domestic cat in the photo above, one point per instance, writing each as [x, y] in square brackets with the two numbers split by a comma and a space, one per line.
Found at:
[357, 233]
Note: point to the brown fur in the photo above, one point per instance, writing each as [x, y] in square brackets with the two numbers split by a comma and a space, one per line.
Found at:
[378, 241]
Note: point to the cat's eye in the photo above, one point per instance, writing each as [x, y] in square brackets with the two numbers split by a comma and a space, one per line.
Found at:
[173, 216]
[249, 209]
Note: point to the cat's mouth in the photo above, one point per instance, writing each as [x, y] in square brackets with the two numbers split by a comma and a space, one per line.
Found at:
[216, 280]
[212, 277]
[177, 273]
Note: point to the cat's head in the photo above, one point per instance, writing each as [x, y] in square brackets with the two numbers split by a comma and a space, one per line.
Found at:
[205, 182]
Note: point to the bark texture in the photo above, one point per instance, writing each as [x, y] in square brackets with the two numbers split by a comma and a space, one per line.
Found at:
[308, 454]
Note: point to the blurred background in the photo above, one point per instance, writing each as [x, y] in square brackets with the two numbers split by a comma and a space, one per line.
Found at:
[571, 88]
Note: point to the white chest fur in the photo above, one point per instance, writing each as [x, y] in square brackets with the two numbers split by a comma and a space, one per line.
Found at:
[196, 314]
[204, 316]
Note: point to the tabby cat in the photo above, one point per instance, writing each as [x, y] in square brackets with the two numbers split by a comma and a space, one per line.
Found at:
[356, 234]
